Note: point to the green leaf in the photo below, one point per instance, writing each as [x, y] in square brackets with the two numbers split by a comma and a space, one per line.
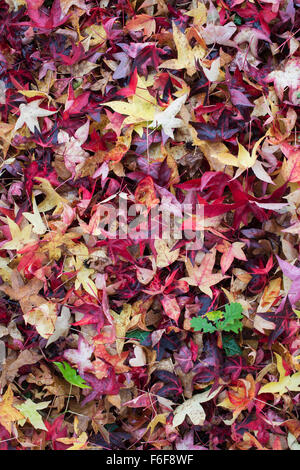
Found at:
[138, 334]
[228, 321]
[237, 19]
[234, 327]
[233, 311]
[201, 324]
[29, 410]
[111, 427]
[70, 375]
[230, 346]
[214, 315]
[297, 312]
[232, 318]
[76, 84]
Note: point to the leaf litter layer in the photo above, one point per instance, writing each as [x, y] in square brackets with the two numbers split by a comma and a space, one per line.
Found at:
[135, 342]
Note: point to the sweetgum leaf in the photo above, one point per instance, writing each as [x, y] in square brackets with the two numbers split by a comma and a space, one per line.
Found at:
[138, 334]
[230, 346]
[190, 109]
[70, 375]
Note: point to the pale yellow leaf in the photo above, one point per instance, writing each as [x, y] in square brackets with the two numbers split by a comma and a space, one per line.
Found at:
[286, 383]
[193, 409]
[20, 237]
[43, 318]
[35, 219]
[186, 55]
[165, 256]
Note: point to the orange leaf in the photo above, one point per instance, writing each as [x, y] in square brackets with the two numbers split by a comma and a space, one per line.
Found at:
[202, 275]
[142, 22]
[117, 361]
[145, 193]
[8, 413]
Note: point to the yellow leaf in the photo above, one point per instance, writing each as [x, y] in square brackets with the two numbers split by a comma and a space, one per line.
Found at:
[186, 56]
[54, 241]
[43, 318]
[244, 160]
[8, 413]
[6, 135]
[199, 14]
[270, 294]
[81, 251]
[137, 111]
[35, 219]
[83, 278]
[53, 199]
[240, 397]
[78, 443]
[236, 411]
[216, 153]
[30, 411]
[14, 4]
[297, 312]
[141, 107]
[122, 323]
[76, 425]
[5, 270]
[67, 4]
[160, 418]
[286, 382]
[193, 409]
[290, 169]
[33, 93]
[96, 33]
[20, 237]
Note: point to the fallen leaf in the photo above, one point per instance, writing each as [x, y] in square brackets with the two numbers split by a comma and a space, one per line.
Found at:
[29, 114]
[62, 326]
[165, 255]
[186, 55]
[167, 120]
[193, 409]
[285, 384]
[35, 219]
[159, 418]
[43, 318]
[19, 237]
[29, 410]
[8, 413]
[78, 443]
[202, 275]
